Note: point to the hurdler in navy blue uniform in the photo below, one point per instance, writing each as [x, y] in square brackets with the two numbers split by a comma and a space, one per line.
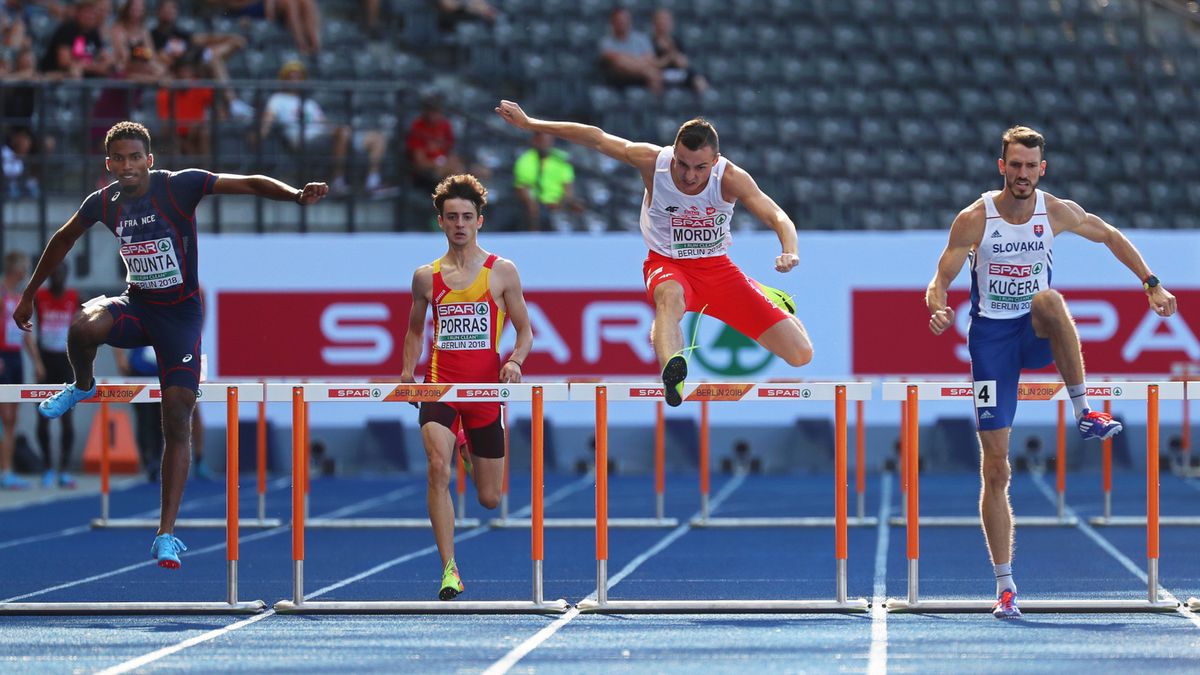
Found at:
[153, 215]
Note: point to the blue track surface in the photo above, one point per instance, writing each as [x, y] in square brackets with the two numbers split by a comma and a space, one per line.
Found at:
[46, 554]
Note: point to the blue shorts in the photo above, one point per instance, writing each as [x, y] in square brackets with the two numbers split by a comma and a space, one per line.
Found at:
[12, 369]
[1000, 349]
[173, 331]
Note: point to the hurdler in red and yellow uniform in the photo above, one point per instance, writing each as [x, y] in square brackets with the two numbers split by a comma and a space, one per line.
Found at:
[466, 344]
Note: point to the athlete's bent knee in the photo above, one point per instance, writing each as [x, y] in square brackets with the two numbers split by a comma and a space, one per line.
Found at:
[489, 499]
[439, 472]
[798, 356]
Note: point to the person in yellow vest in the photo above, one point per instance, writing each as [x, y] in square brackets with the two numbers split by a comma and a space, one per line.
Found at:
[471, 291]
[545, 182]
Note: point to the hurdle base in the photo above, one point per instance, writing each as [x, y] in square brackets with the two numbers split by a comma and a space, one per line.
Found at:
[973, 521]
[721, 606]
[814, 521]
[1194, 604]
[92, 608]
[1140, 521]
[190, 523]
[423, 607]
[379, 523]
[587, 523]
[1027, 606]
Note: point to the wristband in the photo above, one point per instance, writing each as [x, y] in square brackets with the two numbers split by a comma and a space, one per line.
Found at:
[1150, 282]
[519, 364]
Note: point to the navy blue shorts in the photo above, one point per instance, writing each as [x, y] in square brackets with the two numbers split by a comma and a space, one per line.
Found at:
[1000, 349]
[12, 369]
[173, 331]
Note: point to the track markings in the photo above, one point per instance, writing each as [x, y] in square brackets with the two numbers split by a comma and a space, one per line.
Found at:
[877, 660]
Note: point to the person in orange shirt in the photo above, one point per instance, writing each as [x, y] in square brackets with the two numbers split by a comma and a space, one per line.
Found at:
[188, 108]
[471, 291]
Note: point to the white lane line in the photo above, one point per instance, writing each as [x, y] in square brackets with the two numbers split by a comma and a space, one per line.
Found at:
[368, 503]
[877, 663]
[180, 646]
[150, 513]
[519, 652]
[1112, 550]
[117, 485]
[140, 661]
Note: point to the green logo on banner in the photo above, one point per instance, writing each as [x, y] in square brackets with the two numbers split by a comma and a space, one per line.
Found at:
[724, 351]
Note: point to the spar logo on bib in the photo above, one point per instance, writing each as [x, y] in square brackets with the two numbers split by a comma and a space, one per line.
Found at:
[463, 326]
[152, 264]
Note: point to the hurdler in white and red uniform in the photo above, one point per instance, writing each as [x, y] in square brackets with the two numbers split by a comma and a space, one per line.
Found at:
[686, 213]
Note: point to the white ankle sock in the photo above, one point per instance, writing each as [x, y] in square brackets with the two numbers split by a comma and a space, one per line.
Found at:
[1004, 578]
[1078, 394]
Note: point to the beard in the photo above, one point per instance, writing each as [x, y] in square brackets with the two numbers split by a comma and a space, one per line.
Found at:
[1012, 191]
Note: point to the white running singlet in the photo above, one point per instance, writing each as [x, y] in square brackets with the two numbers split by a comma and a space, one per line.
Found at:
[686, 226]
[1012, 263]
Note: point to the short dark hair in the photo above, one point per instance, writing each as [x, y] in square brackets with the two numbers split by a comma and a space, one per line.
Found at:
[697, 133]
[1026, 137]
[460, 186]
[127, 130]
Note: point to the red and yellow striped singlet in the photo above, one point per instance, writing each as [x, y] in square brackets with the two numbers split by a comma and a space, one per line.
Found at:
[466, 329]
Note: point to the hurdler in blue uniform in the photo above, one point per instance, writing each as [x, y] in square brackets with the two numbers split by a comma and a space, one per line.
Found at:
[153, 215]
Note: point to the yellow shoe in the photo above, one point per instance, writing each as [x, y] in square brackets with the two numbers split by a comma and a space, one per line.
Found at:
[452, 584]
[779, 298]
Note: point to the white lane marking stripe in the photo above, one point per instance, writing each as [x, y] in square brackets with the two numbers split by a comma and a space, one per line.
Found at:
[877, 662]
[374, 501]
[180, 646]
[1112, 550]
[519, 652]
[190, 642]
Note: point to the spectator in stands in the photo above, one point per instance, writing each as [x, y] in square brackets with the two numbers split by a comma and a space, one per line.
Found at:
[545, 182]
[189, 107]
[172, 43]
[76, 49]
[12, 368]
[627, 56]
[303, 123]
[14, 34]
[57, 307]
[452, 12]
[430, 146]
[302, 18]
[18, 180]
[19, 103]
[133, 48]
[671, 59]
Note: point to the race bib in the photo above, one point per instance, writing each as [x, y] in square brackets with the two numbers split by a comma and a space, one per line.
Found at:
[698, 236]
[464, 325]
[152, 264]
[55, 326]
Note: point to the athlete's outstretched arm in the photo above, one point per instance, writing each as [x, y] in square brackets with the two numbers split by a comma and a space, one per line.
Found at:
[270, 188]
[965, 233]
[738, 184]
[414, 339]
[518, 313]
[1070, 217]
[57, 248]
[639, 155]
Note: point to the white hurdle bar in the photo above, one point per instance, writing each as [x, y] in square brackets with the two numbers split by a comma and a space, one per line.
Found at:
[823, 391]
[231, 394]
[660, 518]
[299, 394]
[1151, 392]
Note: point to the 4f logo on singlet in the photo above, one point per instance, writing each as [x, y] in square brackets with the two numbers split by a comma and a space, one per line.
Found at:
[463, 326]
[152, 264]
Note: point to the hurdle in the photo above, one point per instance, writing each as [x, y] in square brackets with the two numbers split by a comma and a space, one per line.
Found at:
[659, 520]
[838, 392]
[946, 391]
[1151, 392]
[860, 519]
[349, 393]
[1191, 390]
[231, 393]
[298, 394]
